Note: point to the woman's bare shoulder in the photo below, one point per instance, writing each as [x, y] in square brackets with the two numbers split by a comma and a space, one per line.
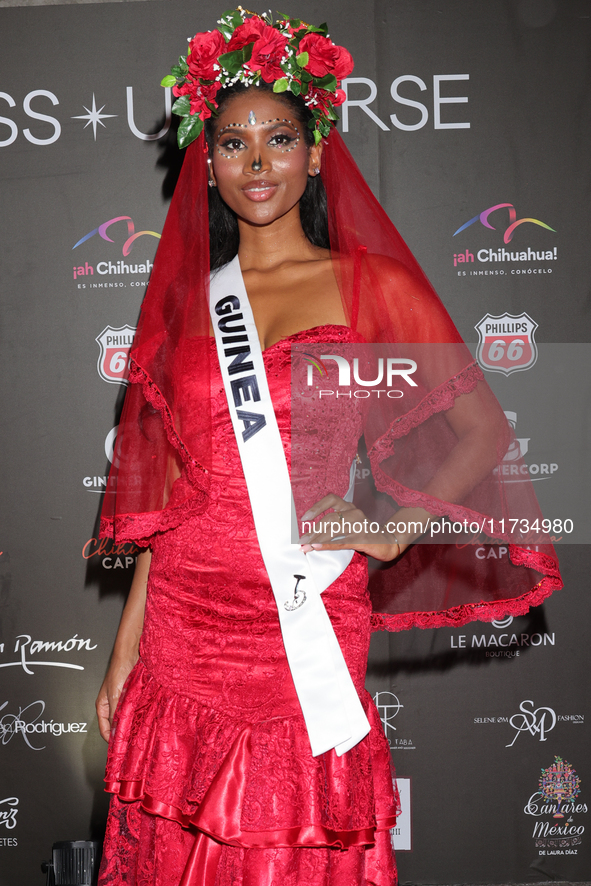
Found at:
[390, 272]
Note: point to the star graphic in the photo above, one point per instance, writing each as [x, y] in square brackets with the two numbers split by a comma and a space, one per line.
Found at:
[93, 116]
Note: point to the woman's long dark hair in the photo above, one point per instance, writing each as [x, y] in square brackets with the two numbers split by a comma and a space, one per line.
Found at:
[223, 225]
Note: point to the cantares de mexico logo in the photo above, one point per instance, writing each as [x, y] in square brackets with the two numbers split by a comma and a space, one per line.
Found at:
[557, 808]
[495, 255]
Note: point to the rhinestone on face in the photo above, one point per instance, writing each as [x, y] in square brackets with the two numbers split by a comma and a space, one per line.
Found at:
[264, 123]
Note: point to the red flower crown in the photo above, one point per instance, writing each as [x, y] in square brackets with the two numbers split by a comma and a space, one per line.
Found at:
[248, 48]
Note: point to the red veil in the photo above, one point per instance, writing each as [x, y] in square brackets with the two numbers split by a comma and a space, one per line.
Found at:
[162, 455]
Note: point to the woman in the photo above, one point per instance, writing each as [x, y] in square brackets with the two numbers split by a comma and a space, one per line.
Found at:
[227, 764]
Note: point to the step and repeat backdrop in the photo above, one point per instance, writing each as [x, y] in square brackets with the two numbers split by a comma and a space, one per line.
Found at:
[470, 120]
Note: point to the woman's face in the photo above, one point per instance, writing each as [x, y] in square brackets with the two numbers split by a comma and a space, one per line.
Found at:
[260, 161]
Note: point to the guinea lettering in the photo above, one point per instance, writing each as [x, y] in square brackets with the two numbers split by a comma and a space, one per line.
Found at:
[245, 387]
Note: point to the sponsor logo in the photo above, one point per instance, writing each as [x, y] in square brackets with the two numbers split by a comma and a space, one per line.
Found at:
[401, 835]
[514, 222]
[26, 650]
[113, 362]
[110, 443]
[506, 343]
[389, 706]
[497, 260]
[8, 814]
[516, 470]
[111, 555]
[507, 643]
[28, 724]
[557, 808]
[99, 482]
[112, 266]
[537, 722]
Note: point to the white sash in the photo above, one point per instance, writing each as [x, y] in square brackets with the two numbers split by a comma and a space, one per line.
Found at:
[332, 711]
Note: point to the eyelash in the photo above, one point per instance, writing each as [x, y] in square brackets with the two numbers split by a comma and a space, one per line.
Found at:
[287, 141]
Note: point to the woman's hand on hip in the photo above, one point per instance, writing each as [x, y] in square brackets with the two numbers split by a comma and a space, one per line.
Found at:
[346, 527]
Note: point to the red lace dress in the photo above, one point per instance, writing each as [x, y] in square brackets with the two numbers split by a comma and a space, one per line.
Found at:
[214, 783]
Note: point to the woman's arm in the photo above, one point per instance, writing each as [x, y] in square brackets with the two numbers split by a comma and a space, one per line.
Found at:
[126, 648]
[481, 430]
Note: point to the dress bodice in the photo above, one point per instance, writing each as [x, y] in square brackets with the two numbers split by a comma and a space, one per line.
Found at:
[209, 591]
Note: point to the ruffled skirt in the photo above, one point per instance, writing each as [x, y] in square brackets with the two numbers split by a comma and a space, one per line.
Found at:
[206, 799]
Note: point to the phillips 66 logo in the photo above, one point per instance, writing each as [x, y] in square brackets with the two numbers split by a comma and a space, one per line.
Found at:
[113, 361]
[507, 343]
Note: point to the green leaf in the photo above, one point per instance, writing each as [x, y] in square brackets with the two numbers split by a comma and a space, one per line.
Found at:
[232, 61]
[280, 85]
[295, 88]
[226, 31]
[247, 51]
[328, 82]
[305, 77]
[321, 29]
[169, 80]
[182, 106]
[189, 129]
[317, 137]
[302, 59]
[229, 21]
[332, 114]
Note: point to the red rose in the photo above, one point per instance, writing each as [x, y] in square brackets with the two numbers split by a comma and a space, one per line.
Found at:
[249, 32]
[198, 96]
[322, 99]
[205, 50]
[339, 97]
[185, 89]
[267, 53]
[326, 57]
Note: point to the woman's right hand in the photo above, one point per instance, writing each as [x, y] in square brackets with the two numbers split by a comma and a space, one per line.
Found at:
[109, 694]
[126, 649]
